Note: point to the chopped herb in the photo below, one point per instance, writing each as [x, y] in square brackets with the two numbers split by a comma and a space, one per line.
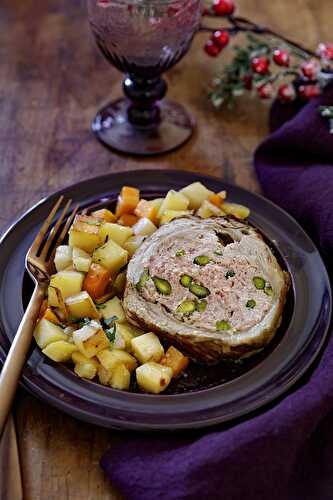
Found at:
[199, 290]
[100, 306]
[92, 222]
[185, 280]
[268, 290]
[111, 334]
[84, 322]
[259, 282]
[73, 319]
[251, 304]
[180, 253]
[162, 286]
[229, 274]
[143, 279]
[201, 260]
[201, 305]
[186, 307]
[218, 252]
[111, 320]
[222, 325]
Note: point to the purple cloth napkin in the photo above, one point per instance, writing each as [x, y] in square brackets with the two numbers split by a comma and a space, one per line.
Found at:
[285, 452]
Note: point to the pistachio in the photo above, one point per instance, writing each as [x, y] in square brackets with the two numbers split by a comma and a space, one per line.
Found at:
[162, 286]
[199, 290]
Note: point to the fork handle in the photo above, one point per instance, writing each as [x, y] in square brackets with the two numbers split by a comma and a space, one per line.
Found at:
[16, 357]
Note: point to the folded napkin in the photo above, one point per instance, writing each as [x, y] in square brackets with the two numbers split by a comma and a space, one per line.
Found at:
[285, 452]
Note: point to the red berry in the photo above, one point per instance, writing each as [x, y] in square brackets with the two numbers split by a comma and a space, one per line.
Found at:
[260, 65]
[310, 68]
[211, 49]
[309, 91]
[223, 7]
[265, 91]
[248, 79]
[325, 51]
[286, 92]
[220, 38]
[281, 57]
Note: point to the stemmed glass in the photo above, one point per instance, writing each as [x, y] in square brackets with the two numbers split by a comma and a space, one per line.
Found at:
[143, 39]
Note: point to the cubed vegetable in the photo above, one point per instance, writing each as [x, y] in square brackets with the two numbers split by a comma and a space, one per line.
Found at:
[133, 243]
[59, 351]
[84, 233]
[104, 214]
[173, 201]
[147, 347]
[81, 260]
[215, 199]
[169, 215]
[50, 316]
[153, 377]
[113, 307]
[120, 283]
[127, 201]
[96, 280]
[86, 370]
[207, 209]
[128, 220]
[147, 209]
[175, 360]
[81, 305]
[63, 257]
[128, 332]
[120, 377]
[196, 193]
[119, 341]
[115, 232]
[239, 211]
[103, 375]
[79, 358]
[47, 332]
[111, 256]
[144, 227]
[91, 339]
[68, 282]
[110, 359]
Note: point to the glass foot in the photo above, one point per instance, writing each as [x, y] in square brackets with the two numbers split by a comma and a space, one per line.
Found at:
[113, 129]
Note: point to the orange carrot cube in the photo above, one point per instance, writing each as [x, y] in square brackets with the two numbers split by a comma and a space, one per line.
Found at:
[127, 200]
[50, 316]
[146, 209]
[175, 360]
[96, 281]
[128, 220]
[215, 199]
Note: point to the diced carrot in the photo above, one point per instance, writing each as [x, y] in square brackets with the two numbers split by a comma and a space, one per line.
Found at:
[127, 200]
[128, 220]
[96, 281]
[50, 316]
[105, 215]
[43, 308]
[175, 360]
[146, 209]
[215, 199]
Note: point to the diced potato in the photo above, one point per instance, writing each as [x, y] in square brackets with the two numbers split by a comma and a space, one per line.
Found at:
[85, 370]
[91, 339]
[144, 227]
[147, 347]
[84, 233]
[157, 202]
[115, 232]
[47, 332]
[120, 378]
[97, 281]
[147, 209]
[127, 201]
[103, 375]
[120, 283]
[173, 201]
[128, 220]
[175, 360]
[63, 257]
[104, 214]
[128, 332]
[52, 297]
[207, 209]
[81, 260]
[79, 358]
[113, 307]
[68, 282]
[152, 377]
[239, 211]
[169, 215]
[50, 316]
[111, 256]
[119, 341]
[133, 243]
[196, 194]
[59, 351]
[81, 305]
[110, 359]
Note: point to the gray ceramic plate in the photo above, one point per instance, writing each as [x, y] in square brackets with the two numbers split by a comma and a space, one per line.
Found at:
[215, 397]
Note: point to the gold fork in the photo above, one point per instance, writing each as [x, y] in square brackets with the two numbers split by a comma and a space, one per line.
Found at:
[39, 265]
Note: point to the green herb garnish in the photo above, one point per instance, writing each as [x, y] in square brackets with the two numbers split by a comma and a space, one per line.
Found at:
[111, 332]
[199, 290]
[185, 280]
[111, 320]
[92, 223]
[222, 325]
[180, 253]
[251, 304]
[143, 280]
[162, 286]
[187, 307]
[201, 260]
[259, 282]
[229, 274]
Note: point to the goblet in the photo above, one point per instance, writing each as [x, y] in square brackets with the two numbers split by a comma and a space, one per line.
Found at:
[143, 39]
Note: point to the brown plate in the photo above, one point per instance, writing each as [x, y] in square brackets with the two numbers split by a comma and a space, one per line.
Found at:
[204, 396]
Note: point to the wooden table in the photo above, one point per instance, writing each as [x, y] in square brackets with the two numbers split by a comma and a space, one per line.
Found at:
[52, 80]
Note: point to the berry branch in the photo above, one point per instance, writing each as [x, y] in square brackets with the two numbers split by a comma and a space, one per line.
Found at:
[270, 64]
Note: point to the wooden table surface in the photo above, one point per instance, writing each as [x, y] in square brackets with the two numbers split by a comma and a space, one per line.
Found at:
[52, 80]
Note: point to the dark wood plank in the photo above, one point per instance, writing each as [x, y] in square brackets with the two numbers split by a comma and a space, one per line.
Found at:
[52, 80]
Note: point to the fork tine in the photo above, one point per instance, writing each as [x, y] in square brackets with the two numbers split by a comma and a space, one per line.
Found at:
[64, 231]
[54, 231]
[43, 230]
